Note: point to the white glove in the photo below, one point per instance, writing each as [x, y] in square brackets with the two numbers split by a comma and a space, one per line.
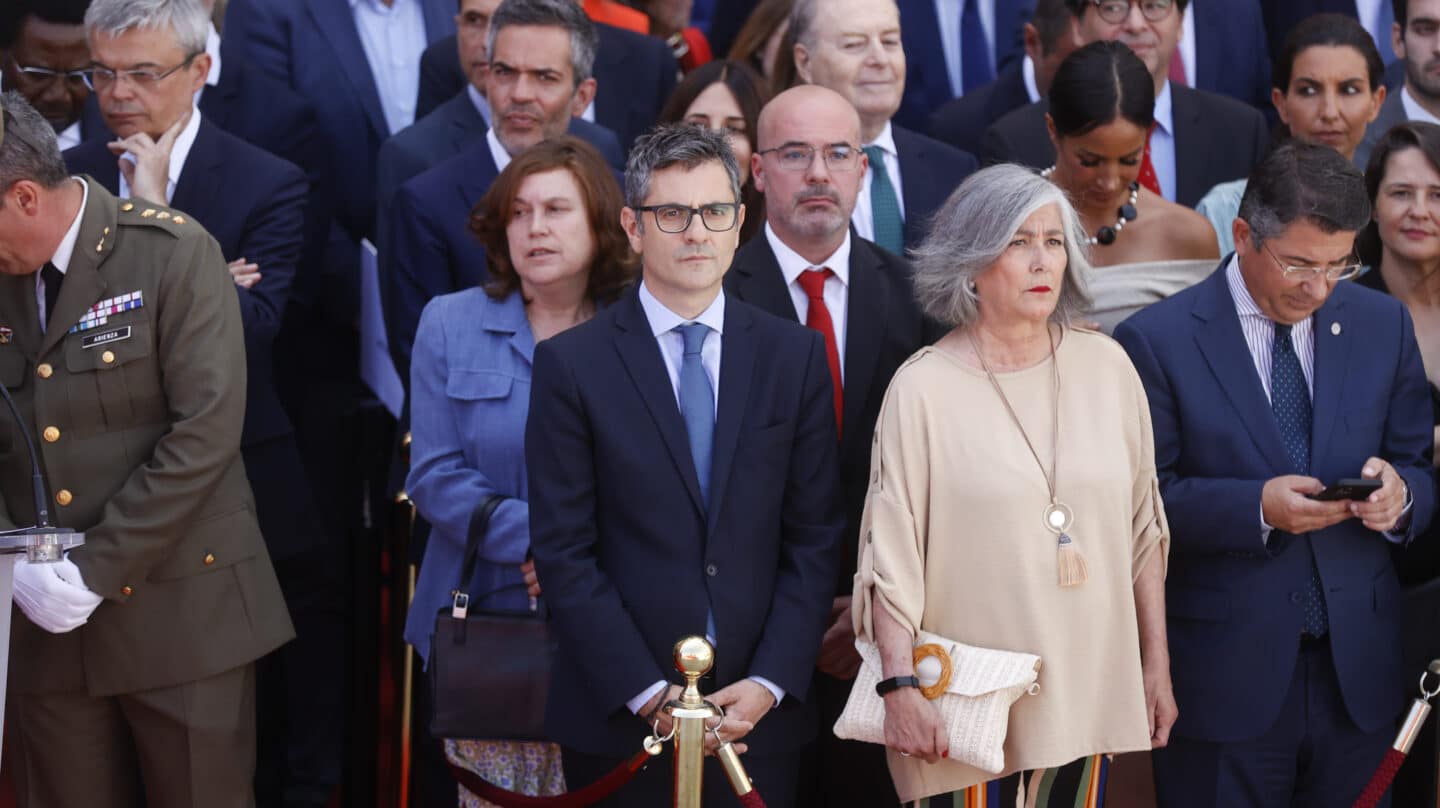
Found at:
[53, 596]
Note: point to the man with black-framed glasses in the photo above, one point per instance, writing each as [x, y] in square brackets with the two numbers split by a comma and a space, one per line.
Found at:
[42, 54]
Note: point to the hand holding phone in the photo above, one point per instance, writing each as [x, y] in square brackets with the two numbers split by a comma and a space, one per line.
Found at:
[1355, 488]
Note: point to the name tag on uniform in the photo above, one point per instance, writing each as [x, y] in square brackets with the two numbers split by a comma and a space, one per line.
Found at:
[100, 313]
[106, 337]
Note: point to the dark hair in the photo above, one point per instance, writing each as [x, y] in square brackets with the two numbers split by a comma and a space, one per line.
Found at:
[676, 144]
[1099, 83]
[613, 267]
[749, 46]
[1401, 10]
[1078, 7]
[750, 94]
[1298, 180]
[1052, 20]
[13, 16]
[1408, 135]
[1326, 30]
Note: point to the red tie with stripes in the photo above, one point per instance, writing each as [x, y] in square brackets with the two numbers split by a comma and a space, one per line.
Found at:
[1147, 177]
[818, 317]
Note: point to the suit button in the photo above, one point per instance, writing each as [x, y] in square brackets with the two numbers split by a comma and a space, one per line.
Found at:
[712, 570]
[209, 559]
[63, 497]
[44, 371]
[108, 357]
[127, 590]
[51, 434]
[1295, 598]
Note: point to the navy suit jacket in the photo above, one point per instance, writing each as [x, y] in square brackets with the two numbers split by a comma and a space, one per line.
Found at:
[1282, 15]
[1233, 603]
[927, 80]
[1216, 139]
[961, 122]
[634, 73]
[615, 509]
[1231, 53]
[929, 172]
[883, 327]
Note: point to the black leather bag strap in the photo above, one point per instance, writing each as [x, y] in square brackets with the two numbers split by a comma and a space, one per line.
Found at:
[479, 525]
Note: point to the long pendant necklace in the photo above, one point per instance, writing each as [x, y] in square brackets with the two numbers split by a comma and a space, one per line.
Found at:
[1125, 214]
[1057, 517]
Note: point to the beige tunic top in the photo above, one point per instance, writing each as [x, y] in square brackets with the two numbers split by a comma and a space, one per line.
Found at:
[955, 542]
[1121, 290]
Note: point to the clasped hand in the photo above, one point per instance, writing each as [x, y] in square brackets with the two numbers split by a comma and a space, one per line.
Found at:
[53, 596]
[1286, 504]
[745, 702]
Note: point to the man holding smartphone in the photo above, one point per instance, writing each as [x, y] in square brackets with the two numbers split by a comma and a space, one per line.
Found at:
[1267, 382]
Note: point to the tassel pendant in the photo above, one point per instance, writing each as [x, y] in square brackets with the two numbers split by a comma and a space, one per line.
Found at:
[1071, 563]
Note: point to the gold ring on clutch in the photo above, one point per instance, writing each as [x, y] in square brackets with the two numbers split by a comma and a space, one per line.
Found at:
[934, 691]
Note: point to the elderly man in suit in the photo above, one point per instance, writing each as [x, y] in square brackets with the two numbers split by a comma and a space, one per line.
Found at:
[1268, 382]
[1199, 139]
[124, 350]
[809, 267]
[854, 48]
[42, 54]
[1416, 40]
[707, 433]
[954, 47]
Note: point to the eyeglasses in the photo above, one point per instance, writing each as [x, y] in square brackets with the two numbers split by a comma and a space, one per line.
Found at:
[44, 76]
[717, 216]
[1340, 273]
[1115, 11]
[100, 77]
[800, 156]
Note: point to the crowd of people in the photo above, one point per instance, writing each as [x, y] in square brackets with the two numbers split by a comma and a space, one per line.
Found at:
[807, 326]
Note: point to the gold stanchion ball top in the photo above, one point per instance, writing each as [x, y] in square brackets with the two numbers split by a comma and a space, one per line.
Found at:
[694, 656]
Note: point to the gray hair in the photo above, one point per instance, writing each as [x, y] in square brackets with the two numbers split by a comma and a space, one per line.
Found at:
[187, 18]
[682, 144]
[1297, 180]
[28, 150]
[802, 21]
[975, 226]
[566, 14]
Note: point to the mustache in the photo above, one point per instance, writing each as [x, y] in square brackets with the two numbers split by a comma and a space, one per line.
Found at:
[530, 109]
[810, 192]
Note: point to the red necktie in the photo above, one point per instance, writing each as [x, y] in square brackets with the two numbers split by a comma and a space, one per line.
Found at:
[1177, 69]
[818, 318]
[1147, 176]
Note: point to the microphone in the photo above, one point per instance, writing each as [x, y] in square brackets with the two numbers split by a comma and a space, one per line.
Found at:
[43, 542]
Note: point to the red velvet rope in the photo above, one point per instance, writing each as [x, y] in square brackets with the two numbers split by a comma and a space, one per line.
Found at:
[593, 793]
[752, 800]
[1380, 783]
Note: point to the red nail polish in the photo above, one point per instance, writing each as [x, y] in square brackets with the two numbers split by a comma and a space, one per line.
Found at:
[945, 754]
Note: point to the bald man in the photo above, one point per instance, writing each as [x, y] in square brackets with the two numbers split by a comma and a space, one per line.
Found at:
[810, 266]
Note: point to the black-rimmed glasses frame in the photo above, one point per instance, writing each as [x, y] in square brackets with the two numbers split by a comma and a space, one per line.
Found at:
[667, 216]
[1115, 11]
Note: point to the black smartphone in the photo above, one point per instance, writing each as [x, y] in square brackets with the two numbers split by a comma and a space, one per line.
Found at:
[1348, 489]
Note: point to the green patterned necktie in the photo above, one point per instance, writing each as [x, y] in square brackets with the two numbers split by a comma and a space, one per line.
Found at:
[884, 207]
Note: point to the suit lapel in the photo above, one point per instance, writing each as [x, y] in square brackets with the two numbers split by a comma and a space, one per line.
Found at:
[914, 180]
[865, 318]
[198, 177]
[760, 282]
[1222, 343]
[83, 284]
[1332, 357]
[336, 23]
[1191, 180]
[477, 175]
[465, 121]
[439, 19]
[646, 367]
[737, 364]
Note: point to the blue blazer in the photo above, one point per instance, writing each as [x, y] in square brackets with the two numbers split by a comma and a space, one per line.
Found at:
[630, 558]
[470, 394]
[929, 172]
[1233, 603]
[961, 122]
[313, 47]
[1231, 53]
[927, 80]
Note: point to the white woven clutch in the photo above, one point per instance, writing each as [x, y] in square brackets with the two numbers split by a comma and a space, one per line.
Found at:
[975, 704]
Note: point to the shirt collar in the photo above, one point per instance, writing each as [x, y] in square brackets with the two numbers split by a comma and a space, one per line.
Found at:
[212, 47]
[1164, 116]
[1027, 70]
[179, 153]
[61, 259]
[792, 263]
[482, 104]
[1413, 110]
[497, 151]
[1245, 305]
[885, 140]
[663, 319]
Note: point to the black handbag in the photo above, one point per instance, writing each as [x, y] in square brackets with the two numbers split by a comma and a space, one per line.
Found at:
[489, 669]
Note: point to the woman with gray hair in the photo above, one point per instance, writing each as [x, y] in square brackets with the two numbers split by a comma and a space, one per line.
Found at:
[1014, 506]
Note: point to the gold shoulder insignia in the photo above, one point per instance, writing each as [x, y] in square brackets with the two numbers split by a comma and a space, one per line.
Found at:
[163, 215]
[127, 207]
[179, 220]
[148, 213]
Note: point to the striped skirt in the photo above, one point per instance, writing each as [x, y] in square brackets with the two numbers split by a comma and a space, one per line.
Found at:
[1079, 784]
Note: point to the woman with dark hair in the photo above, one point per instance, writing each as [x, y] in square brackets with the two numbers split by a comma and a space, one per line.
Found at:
[1327, 87]
[726, 96]
[759, 43]
[1143, 247]
[556, 254]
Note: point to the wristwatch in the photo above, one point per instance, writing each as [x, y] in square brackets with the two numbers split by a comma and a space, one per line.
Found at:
[895, 683]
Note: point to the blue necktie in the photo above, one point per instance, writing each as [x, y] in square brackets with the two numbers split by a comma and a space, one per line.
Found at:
[976, 66]
[697, 403]
[884, 206]
[1290, 403]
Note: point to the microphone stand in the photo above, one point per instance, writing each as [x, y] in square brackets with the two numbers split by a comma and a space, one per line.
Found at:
[43, 543]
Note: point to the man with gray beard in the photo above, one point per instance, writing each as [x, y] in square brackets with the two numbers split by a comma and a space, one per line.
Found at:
[1416, 40]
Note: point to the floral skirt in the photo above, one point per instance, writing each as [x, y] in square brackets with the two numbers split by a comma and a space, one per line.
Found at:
[525, 768]
[1079, 784]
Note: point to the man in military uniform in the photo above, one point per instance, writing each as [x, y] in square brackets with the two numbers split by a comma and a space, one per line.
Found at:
[132, 676]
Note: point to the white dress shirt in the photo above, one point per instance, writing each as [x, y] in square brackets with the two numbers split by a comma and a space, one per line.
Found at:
[482, 104]
[1413, 110]
[862, 218]
[393, 38]
[837, 286]
[178, 154]
[949, 14]
[1369, 13]
[1162, 143]
[61, 258]
[497, 151]
[663, 322]
[1027, 70]
[69, 137]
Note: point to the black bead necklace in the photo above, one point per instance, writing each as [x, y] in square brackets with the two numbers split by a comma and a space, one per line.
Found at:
[1126, 213]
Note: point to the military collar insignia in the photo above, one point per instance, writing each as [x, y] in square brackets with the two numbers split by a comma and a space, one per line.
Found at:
[6, 335]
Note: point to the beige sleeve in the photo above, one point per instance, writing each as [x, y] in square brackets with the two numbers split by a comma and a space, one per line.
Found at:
[1148, 526]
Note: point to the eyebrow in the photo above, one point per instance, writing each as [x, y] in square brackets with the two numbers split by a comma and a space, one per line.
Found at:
[534, 71]
[1098, 156]
[1028, 232]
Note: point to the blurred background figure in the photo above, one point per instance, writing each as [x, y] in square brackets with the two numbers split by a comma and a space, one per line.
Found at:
[42, 54]
[760, 42]
[1416, 41]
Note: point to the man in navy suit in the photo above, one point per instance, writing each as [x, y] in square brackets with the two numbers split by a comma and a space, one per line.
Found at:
[682, 470]
[42, 51]
[809, 267]
[853, 47]
[1223, 50]
[1200, 138]
[253, 204]
[953, 47]
[1266, 382]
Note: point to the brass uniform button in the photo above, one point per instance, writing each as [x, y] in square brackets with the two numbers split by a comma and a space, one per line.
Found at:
[108, 357]
[51, 434]
[162, 215]
[127, 590]
[44, 371]
[127, 207]
[178, 220]
[64, 497]
[149, 212]
[209, 559]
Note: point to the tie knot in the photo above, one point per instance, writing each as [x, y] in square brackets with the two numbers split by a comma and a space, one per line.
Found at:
[694, 336]
[1282, 333]
[49, 272]
[813, 282]
[874, 154]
